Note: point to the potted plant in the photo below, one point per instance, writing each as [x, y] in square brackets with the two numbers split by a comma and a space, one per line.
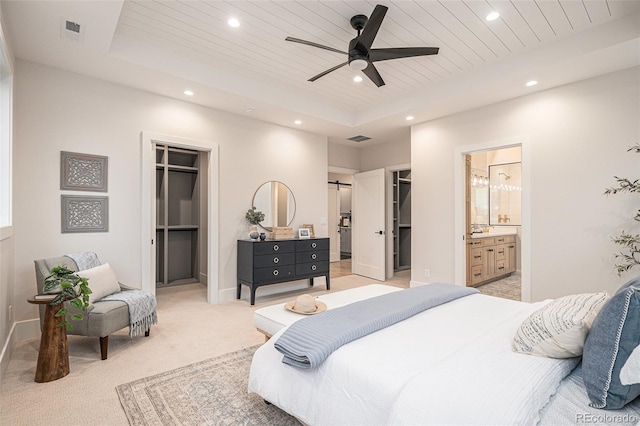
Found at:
[69, 287]
[254, 217]
[630, 243]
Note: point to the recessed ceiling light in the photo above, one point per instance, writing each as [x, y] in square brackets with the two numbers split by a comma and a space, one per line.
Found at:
[188, 92]
[297, 122]
[233, 22]
[409, 117]
[248, 109]
[531, 83]
[357, 79]
[492, 16]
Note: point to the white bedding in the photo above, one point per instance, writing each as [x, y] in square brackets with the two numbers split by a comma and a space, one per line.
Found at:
[449, 365]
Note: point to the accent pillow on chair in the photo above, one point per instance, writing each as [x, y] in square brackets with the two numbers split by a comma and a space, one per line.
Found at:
[612, 340]
[102, 281]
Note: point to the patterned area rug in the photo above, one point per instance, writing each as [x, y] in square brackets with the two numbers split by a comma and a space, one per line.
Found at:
[211, 392]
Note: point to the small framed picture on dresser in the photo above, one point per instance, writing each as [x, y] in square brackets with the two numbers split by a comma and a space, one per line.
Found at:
[304, 233]
[310, 227]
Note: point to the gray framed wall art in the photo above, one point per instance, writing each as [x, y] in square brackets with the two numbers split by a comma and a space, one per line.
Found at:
[85, 213]
[83, 172]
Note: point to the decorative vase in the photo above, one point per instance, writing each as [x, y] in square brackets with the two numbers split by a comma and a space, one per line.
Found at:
[253, 232]
[263, 236]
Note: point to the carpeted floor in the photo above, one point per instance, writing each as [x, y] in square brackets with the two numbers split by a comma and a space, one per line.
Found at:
[209, 392]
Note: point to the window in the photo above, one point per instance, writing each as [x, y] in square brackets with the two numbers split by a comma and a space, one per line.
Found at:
[6, 86]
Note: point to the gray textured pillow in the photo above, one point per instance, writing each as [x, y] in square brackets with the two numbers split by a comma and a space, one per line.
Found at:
[614, 335]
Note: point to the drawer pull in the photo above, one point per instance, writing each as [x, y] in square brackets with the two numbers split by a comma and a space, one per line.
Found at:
[511, 246]
[275, 272]
[477, 257]
[501, 240]
[490, 250]
[502, 267]
[314, 267]
[314, 256]
[276, 247]
[476, 275]
[276, 260]
[314, 245]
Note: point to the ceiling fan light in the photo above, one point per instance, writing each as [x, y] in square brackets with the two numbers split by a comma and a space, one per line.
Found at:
[492, 16]
[357, 79]
[358, 64]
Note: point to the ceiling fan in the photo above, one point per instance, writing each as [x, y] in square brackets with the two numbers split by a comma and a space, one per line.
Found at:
[361, 56]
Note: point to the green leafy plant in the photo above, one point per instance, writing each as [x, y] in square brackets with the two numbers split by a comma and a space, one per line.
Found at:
[630, 256]
[69, 287]
[254, 216]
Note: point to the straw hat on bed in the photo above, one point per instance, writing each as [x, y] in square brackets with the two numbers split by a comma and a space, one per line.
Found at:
[306, 305]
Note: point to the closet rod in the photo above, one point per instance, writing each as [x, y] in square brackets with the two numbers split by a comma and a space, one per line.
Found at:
[337, 182]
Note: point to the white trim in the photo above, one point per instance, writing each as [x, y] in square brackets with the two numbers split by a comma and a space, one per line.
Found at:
[524, 142]
[148, 199]
[6, 232]
[20, 331]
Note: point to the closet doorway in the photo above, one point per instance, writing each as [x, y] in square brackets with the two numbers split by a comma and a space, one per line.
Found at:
[180, 215]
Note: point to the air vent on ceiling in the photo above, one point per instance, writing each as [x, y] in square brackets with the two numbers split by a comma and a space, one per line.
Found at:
[359, 138]
[71, 30]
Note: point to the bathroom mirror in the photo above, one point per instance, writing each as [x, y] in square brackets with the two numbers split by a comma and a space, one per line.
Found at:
[505, 194]
[479, 192]
[277, 202]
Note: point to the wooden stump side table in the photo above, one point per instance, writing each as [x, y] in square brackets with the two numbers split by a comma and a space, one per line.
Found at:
[53, 357]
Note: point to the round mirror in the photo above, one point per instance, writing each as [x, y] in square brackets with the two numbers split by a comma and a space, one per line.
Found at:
[276, 201]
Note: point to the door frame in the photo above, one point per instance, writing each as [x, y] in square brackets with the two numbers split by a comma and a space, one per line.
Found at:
[148, 219]
[524, 142]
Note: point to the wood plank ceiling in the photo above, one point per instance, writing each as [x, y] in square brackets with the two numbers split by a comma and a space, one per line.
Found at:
[257, 50]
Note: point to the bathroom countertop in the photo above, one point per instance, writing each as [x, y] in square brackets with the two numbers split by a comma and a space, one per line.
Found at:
[495, 233]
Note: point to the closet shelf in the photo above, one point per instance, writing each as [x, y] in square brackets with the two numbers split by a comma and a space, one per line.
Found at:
[403, 180]
[186, 169]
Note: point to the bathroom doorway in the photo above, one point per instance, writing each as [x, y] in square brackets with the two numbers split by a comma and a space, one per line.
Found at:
[339, 222]
[492, 218]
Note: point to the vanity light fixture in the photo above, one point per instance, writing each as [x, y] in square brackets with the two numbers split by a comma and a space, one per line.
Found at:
[297, 122]
[409, 117]
[492, 16]
[357, 79]
[233, 22]
[188, 92]
[531, 83]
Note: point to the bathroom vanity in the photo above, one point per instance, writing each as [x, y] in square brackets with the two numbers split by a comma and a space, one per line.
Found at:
[490, 256]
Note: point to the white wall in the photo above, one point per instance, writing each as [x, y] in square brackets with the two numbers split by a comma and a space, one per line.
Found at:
[386, 154]
[579, 134]
[343, 156]
[57, 110]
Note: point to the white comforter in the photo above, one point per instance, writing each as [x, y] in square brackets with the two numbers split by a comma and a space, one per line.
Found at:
[449, 365]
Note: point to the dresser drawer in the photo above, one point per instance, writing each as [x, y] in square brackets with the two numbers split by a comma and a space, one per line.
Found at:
[273, 273]
[272, 247]
[311, 256]
[312, 268]
[488, 241]
[501, 251]
[312, 244]
[279, 259]
[500, 267]
[475, 257]
[475, 242]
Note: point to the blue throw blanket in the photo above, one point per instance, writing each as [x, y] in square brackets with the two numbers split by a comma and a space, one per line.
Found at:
[142, 309]
[309, 341]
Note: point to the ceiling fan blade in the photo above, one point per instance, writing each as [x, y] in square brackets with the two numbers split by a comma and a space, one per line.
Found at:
[323, 73]
[310, 43]
[376, 55]
[371, 28]
[373, 74]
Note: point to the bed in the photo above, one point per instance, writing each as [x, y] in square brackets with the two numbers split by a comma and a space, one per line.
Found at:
[451, 364]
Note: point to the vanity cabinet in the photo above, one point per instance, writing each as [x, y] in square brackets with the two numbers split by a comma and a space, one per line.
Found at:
[276, 261]
[490, 258]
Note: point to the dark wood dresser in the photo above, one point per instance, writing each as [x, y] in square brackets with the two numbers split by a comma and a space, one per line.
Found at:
[276, 261]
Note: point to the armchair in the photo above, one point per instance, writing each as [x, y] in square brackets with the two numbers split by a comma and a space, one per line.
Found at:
[101, 318]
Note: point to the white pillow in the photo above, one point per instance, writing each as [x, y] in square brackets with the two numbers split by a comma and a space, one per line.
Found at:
[559, 329]
[102, 281]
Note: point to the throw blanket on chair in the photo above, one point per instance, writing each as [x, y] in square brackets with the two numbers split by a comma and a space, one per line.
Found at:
[309, 341]
[84, 260]
[142, 309]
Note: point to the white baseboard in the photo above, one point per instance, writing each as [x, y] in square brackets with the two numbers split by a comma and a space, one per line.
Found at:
[229, 294]
[20, 331]
[413, 283]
